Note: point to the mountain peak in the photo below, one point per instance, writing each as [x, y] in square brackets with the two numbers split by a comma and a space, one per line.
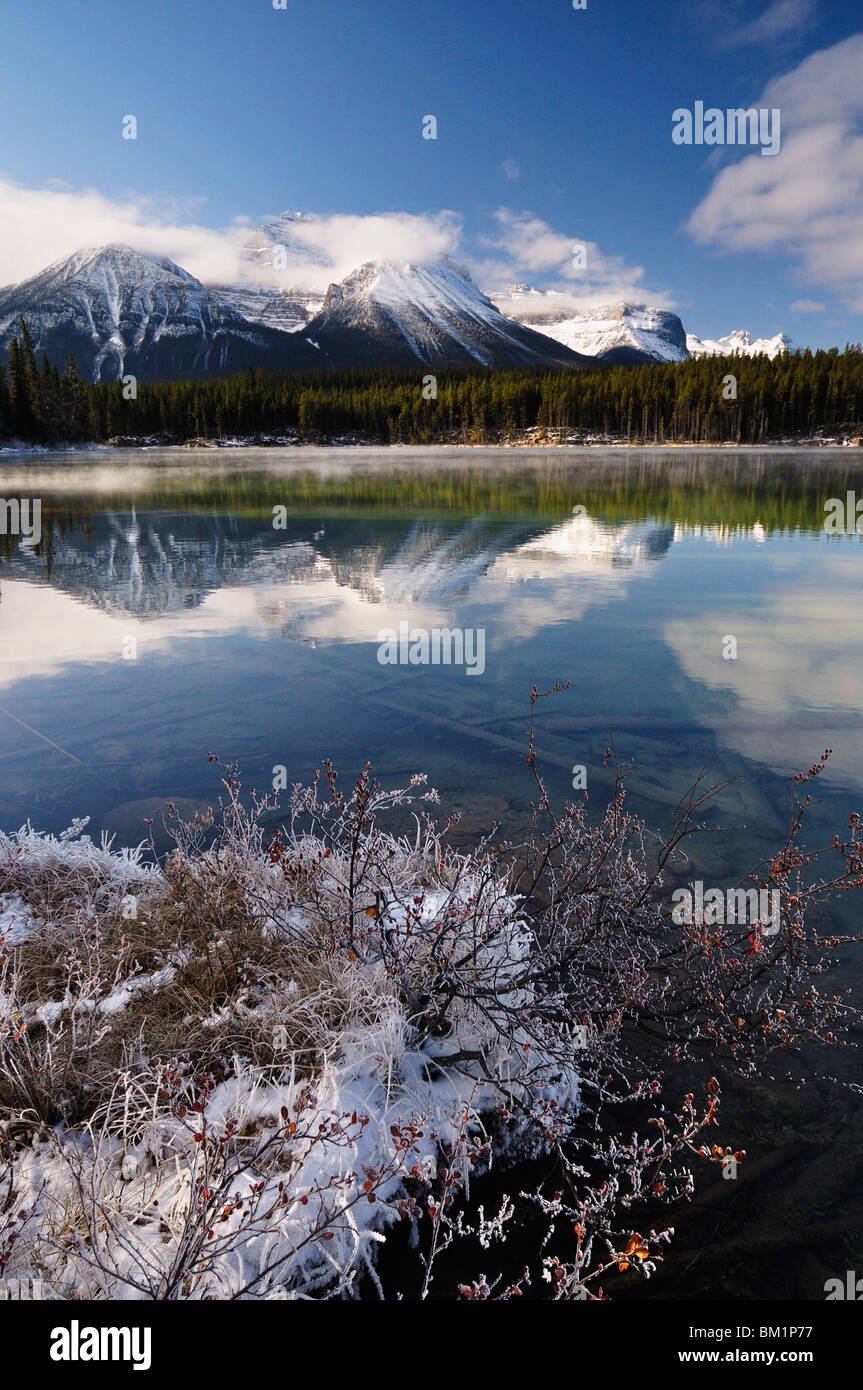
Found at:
[275, 248]
[120, 310]
[622, 331]
[409, 312]
[739, 341]
[117, 257]
[396, 283]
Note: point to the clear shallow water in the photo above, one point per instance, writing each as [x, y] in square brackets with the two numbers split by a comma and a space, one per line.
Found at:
[260, 644]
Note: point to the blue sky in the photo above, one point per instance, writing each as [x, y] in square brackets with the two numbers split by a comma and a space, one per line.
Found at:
[554, 127]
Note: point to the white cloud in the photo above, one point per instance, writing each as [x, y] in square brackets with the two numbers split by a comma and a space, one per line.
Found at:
[43, 225]
[343, 242]
[781, 20]
[806, 202]
[527, 248]
[510, 170]
[808, 306]
[40, 226]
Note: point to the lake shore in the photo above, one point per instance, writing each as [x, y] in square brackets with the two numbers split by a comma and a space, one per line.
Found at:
[14, 450]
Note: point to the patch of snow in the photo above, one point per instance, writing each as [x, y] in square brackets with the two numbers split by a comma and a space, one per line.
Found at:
[140, 1166]
[16, 919]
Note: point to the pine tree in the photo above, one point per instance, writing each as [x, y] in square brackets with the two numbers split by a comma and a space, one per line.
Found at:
[23, 413]
[5, 406]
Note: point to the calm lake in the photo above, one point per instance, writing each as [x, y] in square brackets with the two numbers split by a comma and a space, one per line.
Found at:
[260, 643]
[163, 616]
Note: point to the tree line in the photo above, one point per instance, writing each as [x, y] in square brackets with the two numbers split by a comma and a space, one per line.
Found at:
[702, 400]
[37, 404]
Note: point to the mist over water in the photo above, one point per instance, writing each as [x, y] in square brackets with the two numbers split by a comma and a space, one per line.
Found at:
[620, 571]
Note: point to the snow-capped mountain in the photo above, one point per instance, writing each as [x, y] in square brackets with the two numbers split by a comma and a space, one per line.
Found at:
[389, 313]
[615, 333]
[278, 246]
[740, 342]
[287, 310]
[282, 279]
[121, 312]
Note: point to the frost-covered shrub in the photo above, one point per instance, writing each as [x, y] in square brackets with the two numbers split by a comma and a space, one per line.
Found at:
[228, 1074]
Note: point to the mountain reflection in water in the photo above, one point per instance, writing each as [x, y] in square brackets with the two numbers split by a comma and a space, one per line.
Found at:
[620, 571]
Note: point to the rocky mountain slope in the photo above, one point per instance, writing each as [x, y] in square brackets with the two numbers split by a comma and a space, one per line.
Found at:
[614, 333]
[403, 314]
[125, 313]
[121, 312]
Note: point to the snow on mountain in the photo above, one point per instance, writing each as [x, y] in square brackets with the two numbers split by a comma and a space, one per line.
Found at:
[740, 342]
[402, 313]
[275, 246]
[282, 279]
[288, 310]
[120, 312]
[615, 333]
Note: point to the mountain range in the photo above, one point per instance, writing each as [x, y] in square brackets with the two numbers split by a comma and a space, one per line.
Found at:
[122, 312]
[616, 333]
[739, 342]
